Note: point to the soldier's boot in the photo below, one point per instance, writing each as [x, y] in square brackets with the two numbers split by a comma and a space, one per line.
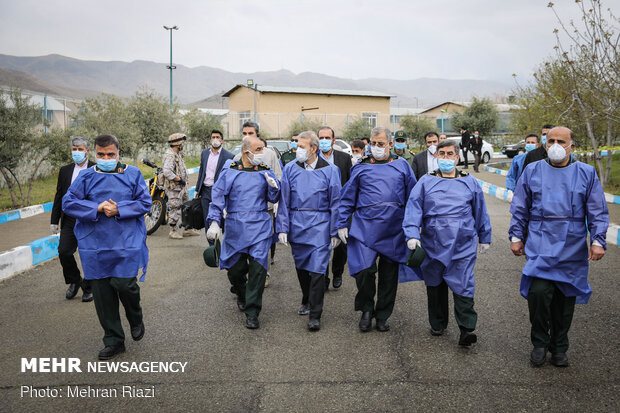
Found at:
[191, 232]
[174, 233]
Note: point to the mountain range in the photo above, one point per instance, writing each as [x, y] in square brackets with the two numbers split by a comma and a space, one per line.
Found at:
[202, 86]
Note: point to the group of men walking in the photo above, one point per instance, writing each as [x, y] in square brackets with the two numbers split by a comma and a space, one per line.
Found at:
[390, 221]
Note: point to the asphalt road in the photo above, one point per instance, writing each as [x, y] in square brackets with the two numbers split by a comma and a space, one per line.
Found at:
[191, 317]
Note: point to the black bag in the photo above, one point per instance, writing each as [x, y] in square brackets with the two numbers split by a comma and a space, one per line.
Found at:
[191, 214]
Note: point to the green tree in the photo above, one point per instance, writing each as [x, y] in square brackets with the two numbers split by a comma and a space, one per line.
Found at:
[198, 126]
[358, 128]
[300, 125]
[416, 127]
[481, 116]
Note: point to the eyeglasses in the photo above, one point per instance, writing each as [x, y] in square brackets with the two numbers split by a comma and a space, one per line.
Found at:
[379, 144]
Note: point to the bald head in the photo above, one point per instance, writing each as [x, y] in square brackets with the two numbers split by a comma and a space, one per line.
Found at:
[564, 137]
[561, 133]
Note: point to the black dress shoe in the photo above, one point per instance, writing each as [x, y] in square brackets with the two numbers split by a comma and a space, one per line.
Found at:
[87, 297]
[382, 325]
[437, 332]
[240, 304]
[304, 309]
[72, 290]
[314, 324]
[137, 332]
[538, 356]
[337, 283]
[252, 323]
[366, 321]
[111, 351]
[467, 338]
[559, 359]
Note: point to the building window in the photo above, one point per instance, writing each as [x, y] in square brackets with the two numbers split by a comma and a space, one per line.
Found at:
[243, 117]
[395, 118]
[371, 118]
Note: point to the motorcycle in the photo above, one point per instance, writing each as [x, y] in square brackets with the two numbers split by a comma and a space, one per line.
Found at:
[158, 214]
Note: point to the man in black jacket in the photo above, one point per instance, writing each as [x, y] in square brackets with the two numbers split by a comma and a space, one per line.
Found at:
[475, 146]
[539, 153]
[426, 161]
[68, 243]
[342, 160]
[465, 144]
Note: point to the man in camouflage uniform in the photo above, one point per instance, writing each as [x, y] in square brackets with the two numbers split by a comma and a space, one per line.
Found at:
[175, 176]
[400, 147]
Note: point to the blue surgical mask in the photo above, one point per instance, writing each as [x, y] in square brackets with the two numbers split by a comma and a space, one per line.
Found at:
[106, 165]
[446, 165]
[530, 147]
[400, 146]
[293, 145]
[325, 145]
[78, 156]
[544, 140]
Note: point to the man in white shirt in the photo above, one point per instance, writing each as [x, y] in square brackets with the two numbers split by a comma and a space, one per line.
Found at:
[80, 148]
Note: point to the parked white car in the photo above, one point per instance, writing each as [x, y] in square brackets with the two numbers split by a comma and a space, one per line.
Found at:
[343, 146]
[487, 151]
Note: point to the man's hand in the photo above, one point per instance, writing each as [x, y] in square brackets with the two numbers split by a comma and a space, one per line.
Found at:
[343, 234]
[335, 242]
[413, 243]
[111, 209]
[54, 229]
[102, 205]
[283, 238]
[213, 231]
[517, 248]
[596, 253]
[482, 248]
[270, 181]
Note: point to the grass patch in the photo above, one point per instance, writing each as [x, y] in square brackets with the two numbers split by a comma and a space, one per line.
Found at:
[44, 190]
[614, 183]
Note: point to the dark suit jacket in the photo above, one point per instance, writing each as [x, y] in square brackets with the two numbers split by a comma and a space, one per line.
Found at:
[204, 158]
[475, 147]
[537, 154]
[420, 165]
[64, 182]
[343, 161]
[465, 138]
[321, 163]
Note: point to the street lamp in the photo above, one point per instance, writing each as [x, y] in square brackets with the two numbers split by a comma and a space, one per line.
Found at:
[171, 67]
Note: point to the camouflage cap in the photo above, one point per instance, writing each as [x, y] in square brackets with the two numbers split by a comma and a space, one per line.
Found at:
[176, 139]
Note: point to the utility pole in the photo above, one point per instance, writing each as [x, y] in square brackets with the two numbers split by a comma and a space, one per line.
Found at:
[171, 67]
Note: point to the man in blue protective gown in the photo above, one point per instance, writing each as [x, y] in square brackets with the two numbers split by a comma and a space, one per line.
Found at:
[516, 166]
[446, 215]
[556, 203]
[108, 202]
[243, 189]
[307, 215]
[376, 195]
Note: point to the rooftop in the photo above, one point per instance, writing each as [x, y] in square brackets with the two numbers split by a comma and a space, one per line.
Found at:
[311, 91]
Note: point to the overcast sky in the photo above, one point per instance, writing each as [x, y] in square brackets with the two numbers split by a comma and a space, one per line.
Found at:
[455, 39]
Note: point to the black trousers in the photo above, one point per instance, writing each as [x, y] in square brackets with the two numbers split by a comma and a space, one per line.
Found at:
[385, 289]
[248, 280]
[339, 260]
[476, 160]
[205, 201]
[438, 313]
[551, 314]
[66, 250]
[465, 156]
[107, 293]
[313, 290]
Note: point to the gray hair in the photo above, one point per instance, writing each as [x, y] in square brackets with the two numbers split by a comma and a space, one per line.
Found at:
[314, 140]
[382, 129]
[79, 141]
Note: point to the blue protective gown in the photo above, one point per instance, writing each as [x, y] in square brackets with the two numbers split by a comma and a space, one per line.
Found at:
[307, 212]
[549, 210]
[449, 217]
[110, 246]
[516, 167]
[376, 195]
[244, 194]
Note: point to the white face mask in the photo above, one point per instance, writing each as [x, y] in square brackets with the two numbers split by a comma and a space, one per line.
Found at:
[257, 158]
[301, 155]
[216, 143]
[432, 149]
[356, 157]
[556, 153]
[377, 153]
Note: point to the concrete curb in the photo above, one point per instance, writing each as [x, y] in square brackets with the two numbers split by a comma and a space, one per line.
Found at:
[27, 256]
[27, 212]
[613, 232]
